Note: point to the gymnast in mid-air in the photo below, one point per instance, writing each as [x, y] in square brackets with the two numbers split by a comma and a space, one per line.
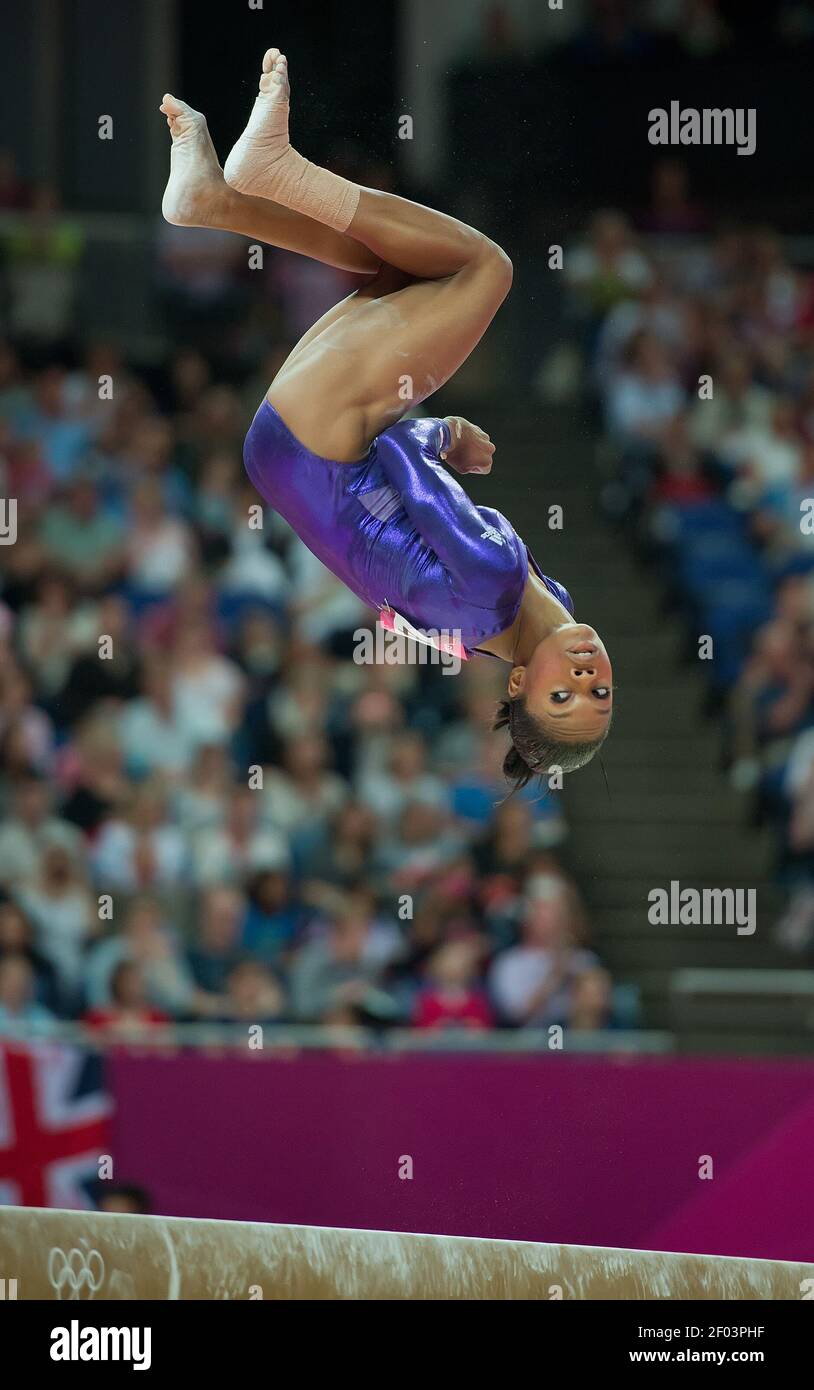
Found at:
[366, 490]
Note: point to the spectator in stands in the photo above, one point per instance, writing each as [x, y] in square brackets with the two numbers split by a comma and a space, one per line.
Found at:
[344, 850]
[17, 939]
[681, 477]
[477, 691]
[128, 1011]
[93, 677]
[608, 266]
[88, 385]
[672, 212]
[801, 822]
[452, 997]
[323, 609]
[147, 941]
[201, 802]
[59, 904]
[216, 947]
[422, 843]
[20, 1014]
[95, 788]
[303, 695]
[590, 1005]
[31, 830]
[404, 782]
[16, 750]
[44, 250]
[655, 310]
[253, 994]
[208, 689]
[338, 977]
[646, 396]
[83, 537]
[54, 629]
[502, 853]
[63, 437]
[153, 738]
[190, 375]
[258, 647]
[245, 843]
[738, 403]
[159, 545]
[19, 717]
[778, 519]
[774, 692]
[768, 456]
[218, 422]
[273, 917]
[305, 792]
[535, 983]
[122, 1197]
[141, 848]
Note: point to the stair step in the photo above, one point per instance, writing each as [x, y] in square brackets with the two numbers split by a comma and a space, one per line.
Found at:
[649, 779]
[625, 958]
[620, 752]
[629, 895]
[679, 808]
[683, 852]
[661, 863]
[630, 923]
[770, 1015]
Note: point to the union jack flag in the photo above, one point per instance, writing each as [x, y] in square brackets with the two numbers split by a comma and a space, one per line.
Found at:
[54, 1125]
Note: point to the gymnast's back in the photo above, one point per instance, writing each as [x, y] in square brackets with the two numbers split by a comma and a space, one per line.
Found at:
[396, 527]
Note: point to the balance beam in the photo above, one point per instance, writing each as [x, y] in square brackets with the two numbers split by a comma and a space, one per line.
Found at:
[73, 1254]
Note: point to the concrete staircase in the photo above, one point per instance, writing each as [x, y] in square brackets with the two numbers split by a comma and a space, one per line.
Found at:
[671, 813]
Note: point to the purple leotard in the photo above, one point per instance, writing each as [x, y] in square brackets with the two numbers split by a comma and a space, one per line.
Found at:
[397, 528]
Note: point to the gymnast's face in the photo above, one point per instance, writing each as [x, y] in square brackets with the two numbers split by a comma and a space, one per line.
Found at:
[568, 684]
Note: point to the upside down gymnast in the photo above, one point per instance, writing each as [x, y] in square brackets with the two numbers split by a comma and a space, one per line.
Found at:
[365, 489]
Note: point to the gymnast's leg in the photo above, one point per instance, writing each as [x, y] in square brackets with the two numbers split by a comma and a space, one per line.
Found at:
[436, 283]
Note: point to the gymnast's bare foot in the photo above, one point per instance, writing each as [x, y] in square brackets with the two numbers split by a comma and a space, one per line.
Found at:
[265, 139]
[195, 187]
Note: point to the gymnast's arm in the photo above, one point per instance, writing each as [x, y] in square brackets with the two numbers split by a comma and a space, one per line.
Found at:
[437, 505]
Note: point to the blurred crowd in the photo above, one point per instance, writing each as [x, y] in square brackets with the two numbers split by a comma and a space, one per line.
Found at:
[700, 356]
[210, 810]
[638, 31]
[597, 32]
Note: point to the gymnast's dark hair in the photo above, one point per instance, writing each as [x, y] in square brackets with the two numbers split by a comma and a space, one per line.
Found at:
[535, 751]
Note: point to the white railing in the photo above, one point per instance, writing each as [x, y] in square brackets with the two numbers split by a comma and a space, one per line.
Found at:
[291, 1038]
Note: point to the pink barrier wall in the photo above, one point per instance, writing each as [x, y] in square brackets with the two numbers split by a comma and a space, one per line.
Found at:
[584, 1151]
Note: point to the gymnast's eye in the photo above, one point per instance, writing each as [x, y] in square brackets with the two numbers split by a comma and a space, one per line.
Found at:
[602, 692]
[560, 697]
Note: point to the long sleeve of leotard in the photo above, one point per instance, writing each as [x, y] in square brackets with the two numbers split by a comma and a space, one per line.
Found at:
[442, 513]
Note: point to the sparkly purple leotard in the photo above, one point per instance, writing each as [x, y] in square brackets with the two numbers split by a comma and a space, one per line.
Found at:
[397, 528]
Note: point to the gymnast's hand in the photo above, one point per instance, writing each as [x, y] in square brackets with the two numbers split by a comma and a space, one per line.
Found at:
[471, 449]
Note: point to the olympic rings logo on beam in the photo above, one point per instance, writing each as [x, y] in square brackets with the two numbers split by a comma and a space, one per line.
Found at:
[76, 1272]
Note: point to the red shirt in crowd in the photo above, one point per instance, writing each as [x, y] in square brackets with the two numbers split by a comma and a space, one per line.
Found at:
[467, 1008]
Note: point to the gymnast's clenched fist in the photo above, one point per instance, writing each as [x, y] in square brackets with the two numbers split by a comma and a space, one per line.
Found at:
[471, 449]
